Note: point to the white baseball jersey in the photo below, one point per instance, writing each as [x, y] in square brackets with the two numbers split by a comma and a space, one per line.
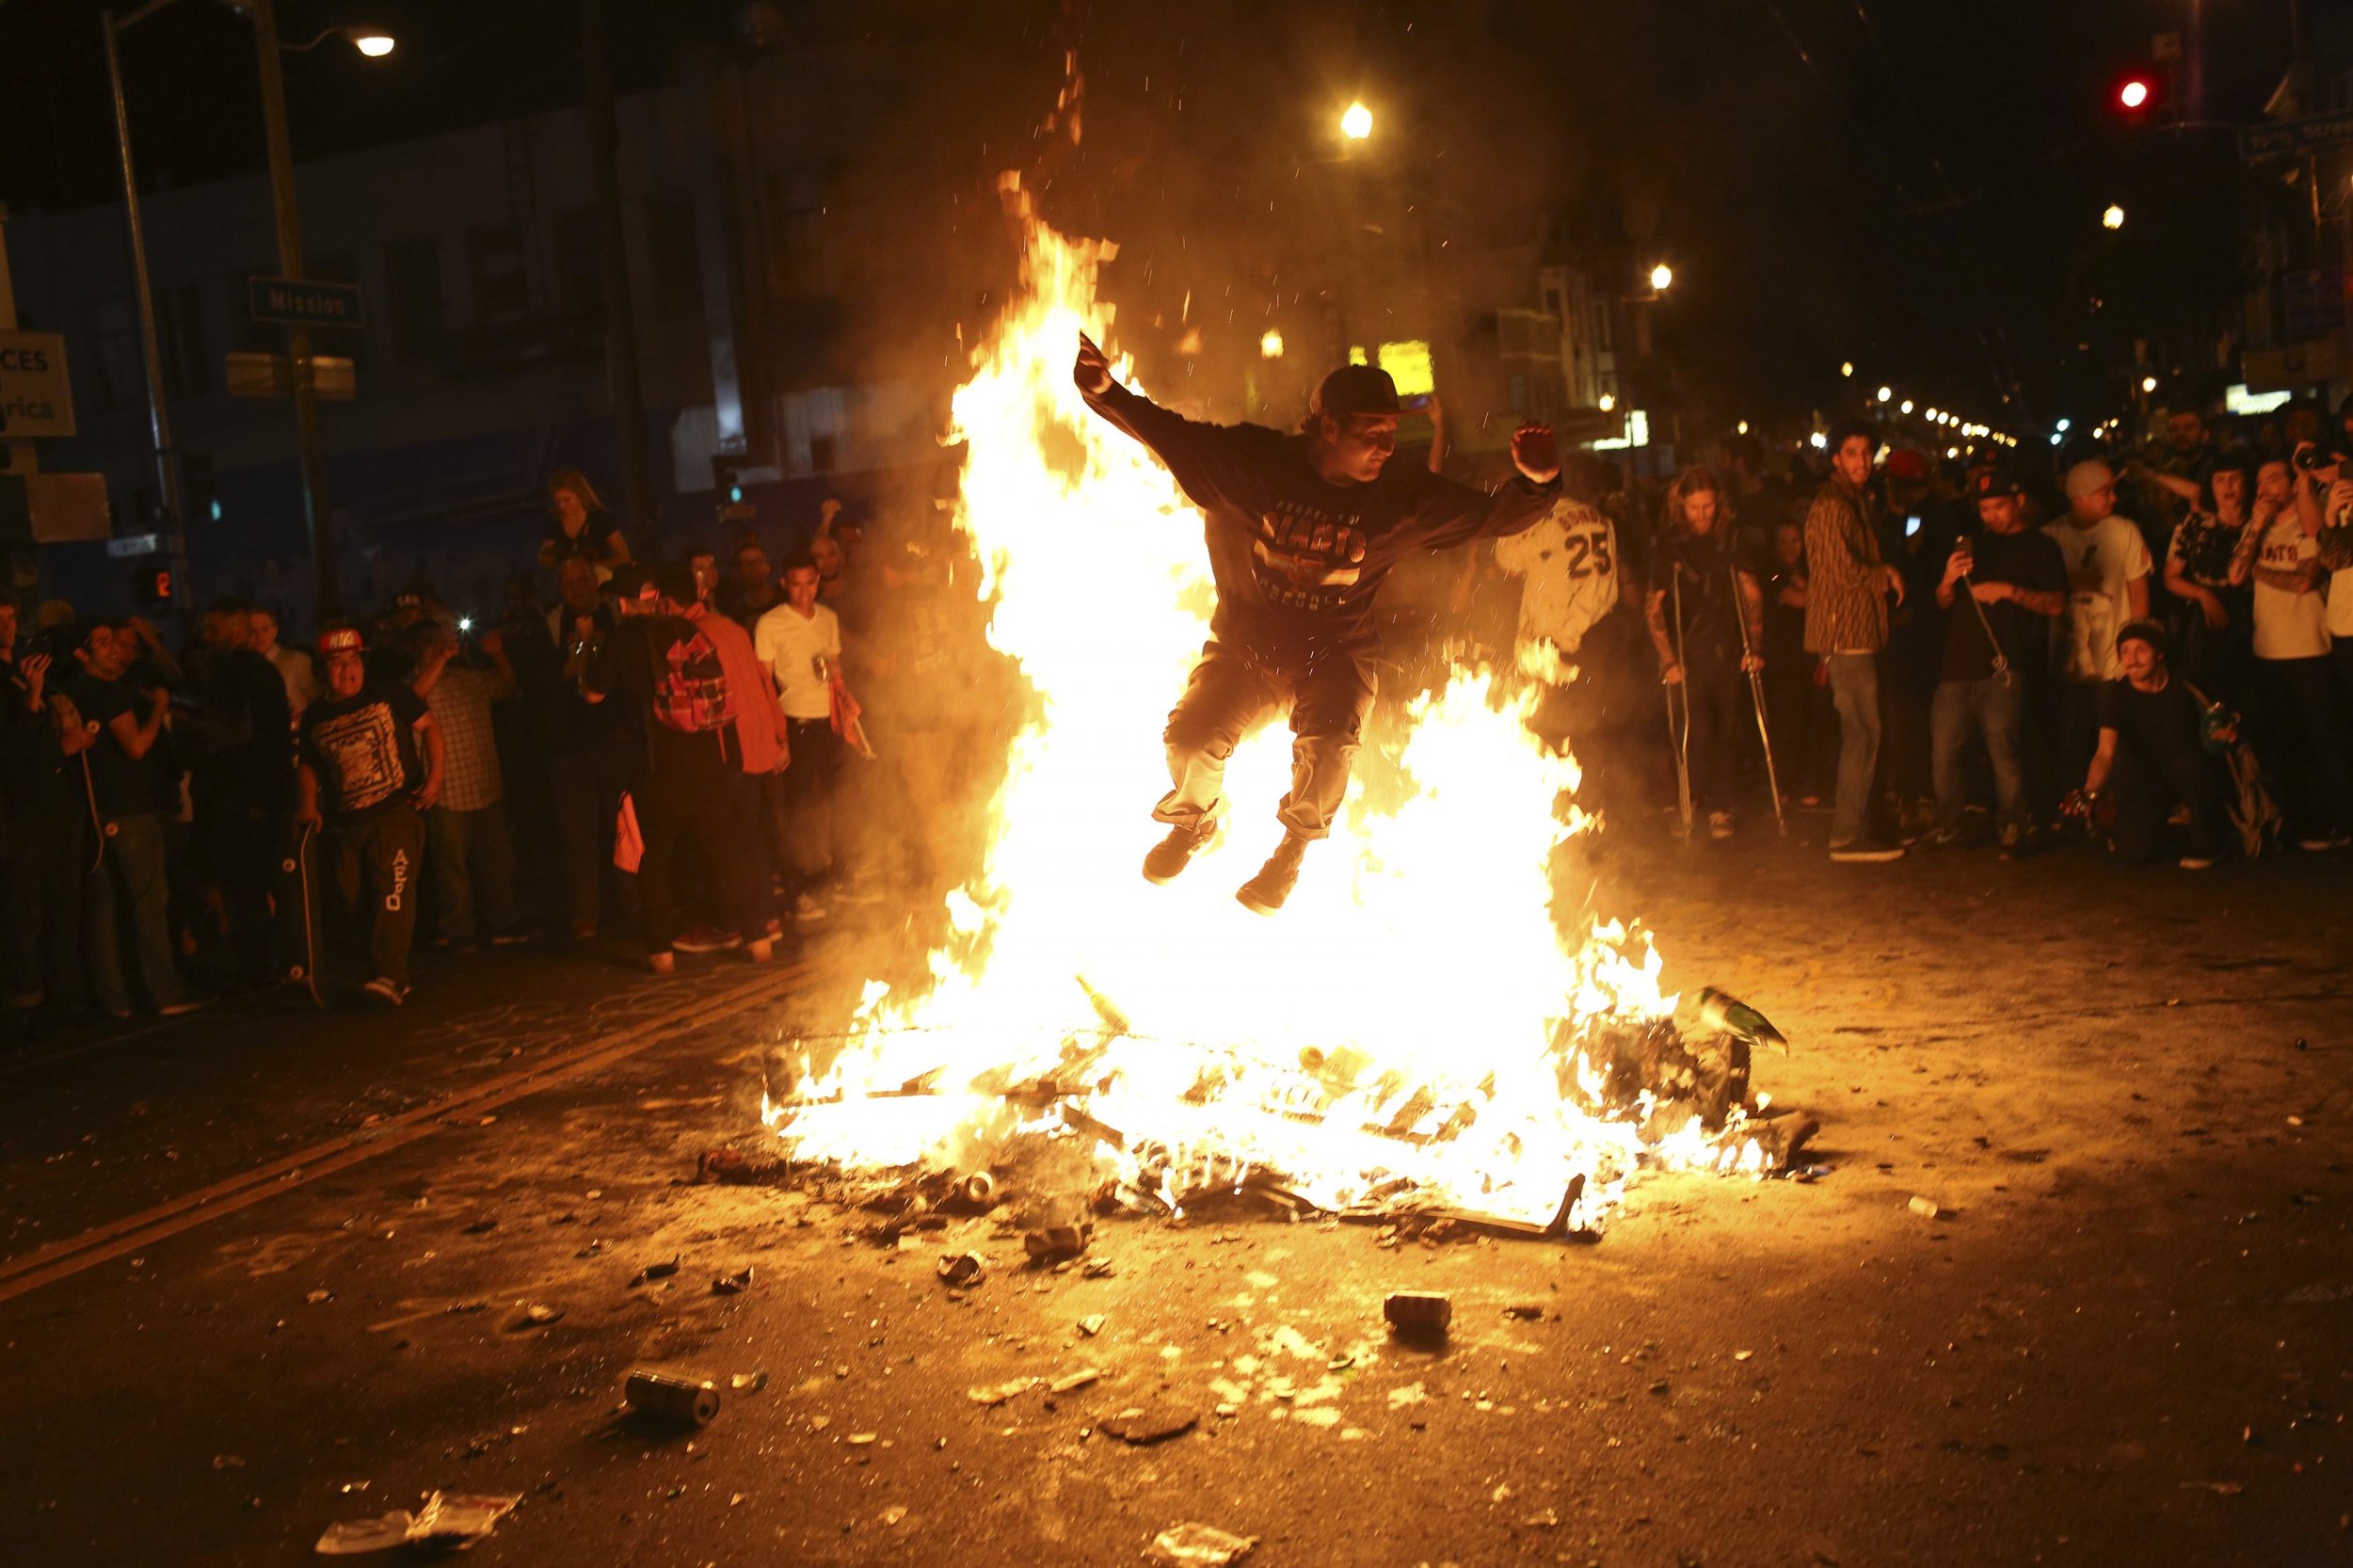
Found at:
[1568, 571]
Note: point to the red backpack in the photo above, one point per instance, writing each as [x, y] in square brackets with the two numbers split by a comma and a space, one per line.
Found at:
[690, 685]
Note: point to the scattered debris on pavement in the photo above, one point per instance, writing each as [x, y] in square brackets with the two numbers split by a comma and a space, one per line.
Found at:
[669, 1396]
[960, 1269]
[1419, 1314]
[1146, 1424]
[734, 1284]
[1192, 1545]
[448, 1521]
[655, 1271]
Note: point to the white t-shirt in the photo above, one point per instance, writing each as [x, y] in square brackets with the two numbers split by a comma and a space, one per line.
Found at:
[1568, 571]
[2288, 625]
[2340, 581]
[2113, 549]
[791, 644]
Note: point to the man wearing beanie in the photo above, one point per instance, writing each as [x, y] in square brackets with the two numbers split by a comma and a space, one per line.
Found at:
[1301, 531]
[2108, 580]
[2151, 753]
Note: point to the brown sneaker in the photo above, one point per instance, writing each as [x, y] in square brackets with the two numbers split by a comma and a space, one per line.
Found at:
[1172, 855]
[1264, 893]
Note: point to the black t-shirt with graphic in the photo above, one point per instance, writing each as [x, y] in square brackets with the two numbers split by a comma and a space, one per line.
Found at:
[364, 750]
[1297, 561]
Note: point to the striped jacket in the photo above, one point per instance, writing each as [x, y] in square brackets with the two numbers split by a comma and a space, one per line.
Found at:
[1845, 602]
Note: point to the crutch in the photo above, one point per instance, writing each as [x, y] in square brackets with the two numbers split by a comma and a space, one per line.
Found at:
[1680, 738]
[1756, 695]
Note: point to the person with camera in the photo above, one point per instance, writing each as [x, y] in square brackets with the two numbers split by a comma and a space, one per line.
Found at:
[2296, 708]
[2009, 584]
[474, 852]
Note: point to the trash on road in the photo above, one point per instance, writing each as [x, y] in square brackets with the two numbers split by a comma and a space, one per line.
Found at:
[669, 1396]
[1192, 1545]
[734, 1284]
[1527, 1312]
[1925, 1208]
[448, 1521]
[1419, 1313]
[1092, 1324]
[1052, 1244]
[1145, 1424]
[655, 1271]
[993, 1393]
[959, 1269]
[1079, 1379]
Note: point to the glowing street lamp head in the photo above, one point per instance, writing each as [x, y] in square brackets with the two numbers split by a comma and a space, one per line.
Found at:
[1662, 277]
[2147, 383]
[1846, 368]
[1608, 402]
[2113, 217]
[1887, 394]
[1356, 123]
[1271, 346]
[374, 45]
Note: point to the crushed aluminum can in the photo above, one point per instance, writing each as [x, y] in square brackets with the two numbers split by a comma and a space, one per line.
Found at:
[667, 1397]
[1427, 1313]
[979, 1189]
[959, 1269]
[1925, 1208]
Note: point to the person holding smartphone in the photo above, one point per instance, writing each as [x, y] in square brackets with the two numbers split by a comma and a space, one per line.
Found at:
[2003, 586]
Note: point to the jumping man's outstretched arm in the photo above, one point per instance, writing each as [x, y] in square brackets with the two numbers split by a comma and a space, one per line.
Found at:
[1207, 459]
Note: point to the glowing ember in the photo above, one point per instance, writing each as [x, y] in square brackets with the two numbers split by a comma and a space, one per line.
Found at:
[1415, 1029]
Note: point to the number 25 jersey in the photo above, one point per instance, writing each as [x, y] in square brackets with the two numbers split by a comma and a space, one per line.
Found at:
[1569, 569]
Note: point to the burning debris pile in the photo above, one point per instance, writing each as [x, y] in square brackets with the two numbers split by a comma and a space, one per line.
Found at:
[1420, 1032]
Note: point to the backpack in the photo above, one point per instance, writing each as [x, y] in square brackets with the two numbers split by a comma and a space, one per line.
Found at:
[690, 685]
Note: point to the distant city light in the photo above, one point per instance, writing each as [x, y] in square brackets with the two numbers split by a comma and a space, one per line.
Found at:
[1662, 277]
[1271, 346]
[2147, 383]
[1846, 368]
[2063, 427]
[1744, 427]
[1907, 405]
[1608, 402]
[1820, 440]
[2113, 217]
[1952, 452]
[1356, 123]
[1887, 394]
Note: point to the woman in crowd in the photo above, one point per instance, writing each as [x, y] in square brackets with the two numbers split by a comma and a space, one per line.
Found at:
[1701, 599]
[2205, 570]
[578, 525]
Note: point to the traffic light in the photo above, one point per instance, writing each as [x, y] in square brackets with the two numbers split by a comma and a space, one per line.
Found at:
[2138, 93]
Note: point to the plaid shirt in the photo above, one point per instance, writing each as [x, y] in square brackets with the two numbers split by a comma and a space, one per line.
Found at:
[1846, 605]
[460, 700]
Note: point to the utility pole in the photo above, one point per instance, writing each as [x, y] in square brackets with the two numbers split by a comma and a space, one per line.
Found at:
[620, 315]
[158, 414]
[319, 521]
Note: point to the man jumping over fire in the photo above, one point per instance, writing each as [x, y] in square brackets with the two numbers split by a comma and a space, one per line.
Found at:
[1302, 530]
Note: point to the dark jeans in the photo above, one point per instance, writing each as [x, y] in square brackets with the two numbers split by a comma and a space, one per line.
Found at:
[809, 781]
[2299, 706]
[1988, 707]
[237, 832]
[695, 800]
[48, 854]
[582, 786]
[2148, 789]
[1854, 686]
[131, 878]
[1230, 692]
[376, 861]
[1804, 724]
[474, 869]
[1718, 699]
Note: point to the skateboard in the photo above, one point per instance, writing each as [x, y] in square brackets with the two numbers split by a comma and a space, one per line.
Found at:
[301, 880]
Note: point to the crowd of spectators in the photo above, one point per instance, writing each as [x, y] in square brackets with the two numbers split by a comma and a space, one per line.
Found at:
[2152, 648]
[659, 759]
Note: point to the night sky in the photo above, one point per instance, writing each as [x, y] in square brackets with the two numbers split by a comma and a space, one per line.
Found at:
[1915, 186]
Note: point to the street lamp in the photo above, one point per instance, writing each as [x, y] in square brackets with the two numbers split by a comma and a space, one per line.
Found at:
[2113, 218]
[1846, 368]
[370, 42]
[1271, 346]
[1662, 277]
[1887, 394]
[1608, 403]
[1356, 123]
[2147, 383]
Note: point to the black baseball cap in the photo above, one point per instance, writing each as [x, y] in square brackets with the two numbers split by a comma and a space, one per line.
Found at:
[1995, 479]
[1356, 389]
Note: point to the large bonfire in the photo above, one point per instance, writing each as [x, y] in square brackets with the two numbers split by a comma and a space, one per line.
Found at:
[1416, 1031]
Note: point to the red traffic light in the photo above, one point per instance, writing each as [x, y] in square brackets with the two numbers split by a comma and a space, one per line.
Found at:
[2133, 92]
